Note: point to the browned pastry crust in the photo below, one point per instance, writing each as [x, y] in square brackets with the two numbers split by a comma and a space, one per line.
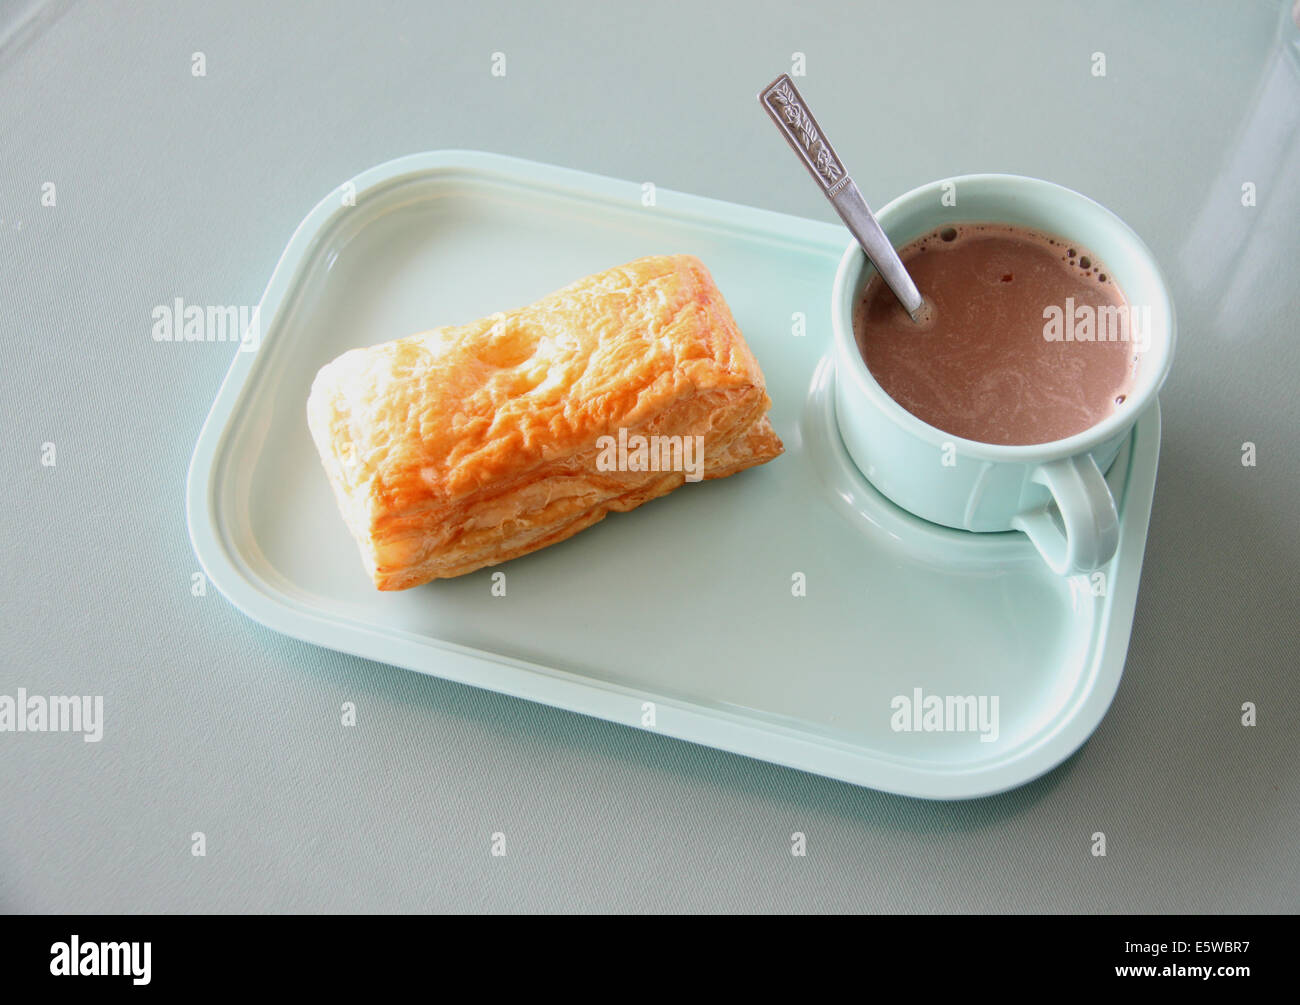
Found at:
[469, 445]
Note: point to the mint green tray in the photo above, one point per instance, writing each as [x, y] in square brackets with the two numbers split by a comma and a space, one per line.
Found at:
[684, 608]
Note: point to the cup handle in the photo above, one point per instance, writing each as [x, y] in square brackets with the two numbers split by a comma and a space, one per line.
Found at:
[1087, 510]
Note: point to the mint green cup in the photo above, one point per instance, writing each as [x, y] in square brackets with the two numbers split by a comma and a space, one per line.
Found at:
[1056, 492]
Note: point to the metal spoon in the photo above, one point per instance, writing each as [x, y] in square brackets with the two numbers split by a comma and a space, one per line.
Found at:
[790, 112]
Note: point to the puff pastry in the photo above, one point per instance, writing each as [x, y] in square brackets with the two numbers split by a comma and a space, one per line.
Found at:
[469, 445]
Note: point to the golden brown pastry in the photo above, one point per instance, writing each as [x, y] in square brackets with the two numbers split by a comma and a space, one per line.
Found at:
[469, 445]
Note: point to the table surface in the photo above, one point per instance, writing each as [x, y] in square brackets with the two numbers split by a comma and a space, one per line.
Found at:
[170, 184]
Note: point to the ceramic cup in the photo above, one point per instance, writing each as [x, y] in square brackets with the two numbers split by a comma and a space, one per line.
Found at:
[1056, 492]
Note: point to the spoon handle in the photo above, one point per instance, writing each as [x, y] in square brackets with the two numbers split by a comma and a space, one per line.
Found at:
[790, 112]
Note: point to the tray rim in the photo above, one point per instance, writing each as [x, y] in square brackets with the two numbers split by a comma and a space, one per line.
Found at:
[735, 732]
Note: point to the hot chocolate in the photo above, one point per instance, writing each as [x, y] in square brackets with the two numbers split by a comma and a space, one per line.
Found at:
[1028, 339]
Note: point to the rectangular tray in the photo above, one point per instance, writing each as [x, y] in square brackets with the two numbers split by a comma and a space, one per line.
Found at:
[686, 605]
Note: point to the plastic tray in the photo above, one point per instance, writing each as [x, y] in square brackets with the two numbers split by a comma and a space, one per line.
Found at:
[688, 606]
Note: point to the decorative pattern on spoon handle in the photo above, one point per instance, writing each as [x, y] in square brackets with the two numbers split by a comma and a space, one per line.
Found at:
[788, 110]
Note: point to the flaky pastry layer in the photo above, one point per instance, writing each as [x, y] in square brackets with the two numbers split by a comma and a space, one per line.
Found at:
[469, 445]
